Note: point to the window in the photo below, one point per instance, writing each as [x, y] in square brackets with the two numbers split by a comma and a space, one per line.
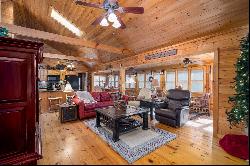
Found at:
[99, 81]
[197, 81]
[130, 82]
[183, 79]
[59, 18]
[148, 84]
[114, 81]
[141, 80]
[170, 80]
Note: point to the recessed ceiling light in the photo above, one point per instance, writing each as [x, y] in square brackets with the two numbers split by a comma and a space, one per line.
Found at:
[59, 18]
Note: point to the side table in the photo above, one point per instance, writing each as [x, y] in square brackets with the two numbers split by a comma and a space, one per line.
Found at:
[151, 104]
[68, 112]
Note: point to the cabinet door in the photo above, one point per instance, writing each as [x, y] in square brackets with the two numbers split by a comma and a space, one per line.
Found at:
[17, 102]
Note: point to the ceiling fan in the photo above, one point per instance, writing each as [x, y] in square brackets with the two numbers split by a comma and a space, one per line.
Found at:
[113, 9]
[188, 61]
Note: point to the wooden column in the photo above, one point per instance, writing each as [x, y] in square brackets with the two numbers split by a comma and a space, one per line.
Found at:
[122, 80]
[0, 10]
[216, 93]
[205, 85]
[136, 86]
[92, 87]
[6, 12]
[189, 78]
[162, 80]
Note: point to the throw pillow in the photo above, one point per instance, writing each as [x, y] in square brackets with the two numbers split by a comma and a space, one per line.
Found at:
[96, 96]
[105, 96]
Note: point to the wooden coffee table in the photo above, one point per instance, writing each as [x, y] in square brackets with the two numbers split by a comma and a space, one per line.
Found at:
[121, 121]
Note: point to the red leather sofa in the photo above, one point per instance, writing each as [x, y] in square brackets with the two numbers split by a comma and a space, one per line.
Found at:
[87, 110]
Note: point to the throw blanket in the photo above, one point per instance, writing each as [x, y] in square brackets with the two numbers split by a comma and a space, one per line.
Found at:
[85, 96]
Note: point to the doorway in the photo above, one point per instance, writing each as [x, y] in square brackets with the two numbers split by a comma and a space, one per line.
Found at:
[203, 102]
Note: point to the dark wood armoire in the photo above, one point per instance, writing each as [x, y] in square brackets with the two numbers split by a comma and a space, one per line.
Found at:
[19, 103]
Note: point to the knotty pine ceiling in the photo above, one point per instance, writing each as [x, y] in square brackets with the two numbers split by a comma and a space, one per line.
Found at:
[165, 22]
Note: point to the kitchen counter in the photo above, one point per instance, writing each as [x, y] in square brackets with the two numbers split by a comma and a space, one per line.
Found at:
[45, 94]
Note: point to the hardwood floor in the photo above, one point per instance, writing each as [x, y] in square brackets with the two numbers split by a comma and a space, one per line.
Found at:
[74, 143]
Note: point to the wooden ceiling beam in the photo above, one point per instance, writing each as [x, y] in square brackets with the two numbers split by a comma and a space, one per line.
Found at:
[28, 32]
[65, 57]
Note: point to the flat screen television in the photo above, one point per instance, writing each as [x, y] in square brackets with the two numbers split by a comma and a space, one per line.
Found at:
[74, 81]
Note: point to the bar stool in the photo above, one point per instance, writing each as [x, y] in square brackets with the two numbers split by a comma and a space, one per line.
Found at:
[52, 100]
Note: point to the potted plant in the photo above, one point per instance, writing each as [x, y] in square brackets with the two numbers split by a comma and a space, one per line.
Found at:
[240, 110]
[237, 145]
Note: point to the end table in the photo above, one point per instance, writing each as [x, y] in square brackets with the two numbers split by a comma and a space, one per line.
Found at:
[68, 112]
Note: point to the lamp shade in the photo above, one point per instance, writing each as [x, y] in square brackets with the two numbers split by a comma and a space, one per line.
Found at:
[112, 17]
[68, 88]
[104, 22]
[117, 24]
[155, 82]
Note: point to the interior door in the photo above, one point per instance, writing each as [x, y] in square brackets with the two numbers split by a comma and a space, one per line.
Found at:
[15, 97]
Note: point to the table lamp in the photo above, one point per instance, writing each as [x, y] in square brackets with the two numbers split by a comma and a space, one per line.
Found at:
[67, 89]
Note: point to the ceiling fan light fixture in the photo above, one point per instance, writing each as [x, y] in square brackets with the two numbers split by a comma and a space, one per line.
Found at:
[112, 17]
[104, 22]
[117, 24]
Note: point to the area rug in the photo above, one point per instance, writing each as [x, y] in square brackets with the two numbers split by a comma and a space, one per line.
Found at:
[196, 115]
[134, 144]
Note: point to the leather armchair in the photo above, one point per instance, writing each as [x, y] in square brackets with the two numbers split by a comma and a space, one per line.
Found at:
[176, 110]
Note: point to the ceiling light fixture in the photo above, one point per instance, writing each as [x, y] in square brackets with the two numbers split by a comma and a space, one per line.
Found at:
[112, 17]
[70, 66]
[59, 18]
[104, 22]
[117, 24]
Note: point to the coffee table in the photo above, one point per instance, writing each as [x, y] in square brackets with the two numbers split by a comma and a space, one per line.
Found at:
[121, 121]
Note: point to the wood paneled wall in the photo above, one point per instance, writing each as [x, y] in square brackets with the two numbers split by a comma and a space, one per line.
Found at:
[227, 43]
[227, 57]
[6, 12]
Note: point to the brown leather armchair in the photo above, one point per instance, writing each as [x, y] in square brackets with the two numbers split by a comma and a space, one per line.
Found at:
[176, 111]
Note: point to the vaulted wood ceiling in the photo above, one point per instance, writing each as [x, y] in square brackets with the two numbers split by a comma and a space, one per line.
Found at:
[165, 22]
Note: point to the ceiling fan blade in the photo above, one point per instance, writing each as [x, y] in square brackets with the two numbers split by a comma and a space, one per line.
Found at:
[123, 26]
[99, 19]
[79, 2]
[134, 10]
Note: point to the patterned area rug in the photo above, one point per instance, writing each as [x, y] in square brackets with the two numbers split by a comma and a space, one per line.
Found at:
[195, 115]
[134, 144]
